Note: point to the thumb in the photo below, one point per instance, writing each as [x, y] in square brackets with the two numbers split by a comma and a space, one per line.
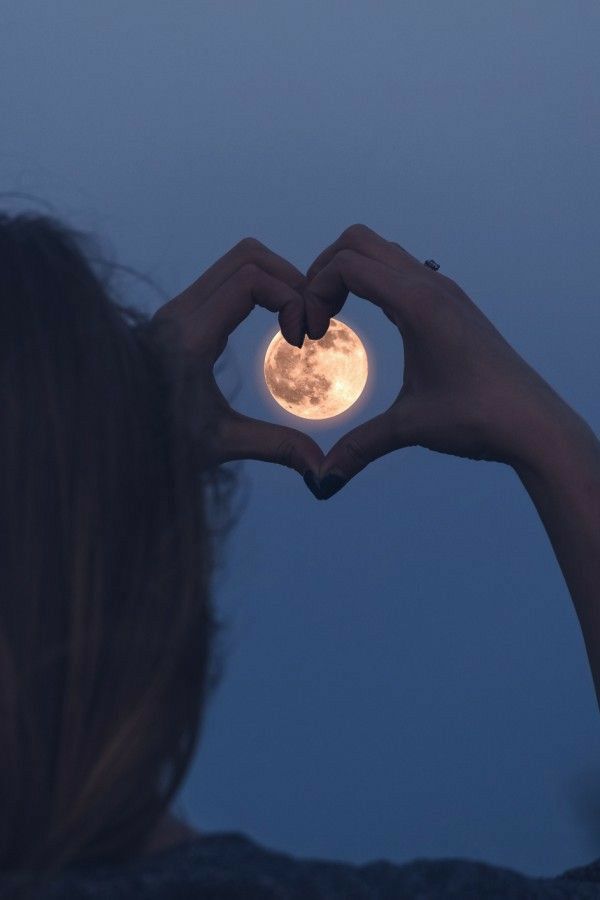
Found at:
[355, 450]
[247, 438]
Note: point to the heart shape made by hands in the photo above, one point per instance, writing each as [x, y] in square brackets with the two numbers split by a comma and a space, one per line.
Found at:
[465, 391]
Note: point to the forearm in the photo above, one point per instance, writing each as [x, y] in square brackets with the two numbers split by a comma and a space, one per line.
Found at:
[562, 477]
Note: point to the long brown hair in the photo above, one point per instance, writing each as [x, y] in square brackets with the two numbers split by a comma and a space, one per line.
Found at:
[107, 547]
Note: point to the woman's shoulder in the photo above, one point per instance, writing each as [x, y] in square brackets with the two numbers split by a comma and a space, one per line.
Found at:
[228, 865]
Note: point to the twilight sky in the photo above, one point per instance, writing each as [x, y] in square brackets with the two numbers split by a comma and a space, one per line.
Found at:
[405, 673]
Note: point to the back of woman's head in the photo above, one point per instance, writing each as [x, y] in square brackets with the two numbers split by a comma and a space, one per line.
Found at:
[106, 624]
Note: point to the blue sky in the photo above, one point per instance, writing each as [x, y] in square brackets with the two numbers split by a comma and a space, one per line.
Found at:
[405, 675]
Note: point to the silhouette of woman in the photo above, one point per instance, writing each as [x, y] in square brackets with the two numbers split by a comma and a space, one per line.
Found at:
[113, 501]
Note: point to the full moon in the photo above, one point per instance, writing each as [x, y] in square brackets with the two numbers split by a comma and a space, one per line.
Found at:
[322, 378]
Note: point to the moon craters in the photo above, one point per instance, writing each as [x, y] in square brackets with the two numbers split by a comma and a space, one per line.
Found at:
[322, 378]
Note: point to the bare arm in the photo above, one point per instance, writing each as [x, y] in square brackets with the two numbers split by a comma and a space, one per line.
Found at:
[562, 477]
[466, 392]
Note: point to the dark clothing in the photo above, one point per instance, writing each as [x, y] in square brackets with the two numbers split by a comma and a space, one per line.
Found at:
[231, 866]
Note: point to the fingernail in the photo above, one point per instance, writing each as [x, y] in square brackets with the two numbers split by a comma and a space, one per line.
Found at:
[312, 484]
[331, 484]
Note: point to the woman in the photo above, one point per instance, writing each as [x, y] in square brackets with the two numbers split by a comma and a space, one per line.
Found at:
[113, 502]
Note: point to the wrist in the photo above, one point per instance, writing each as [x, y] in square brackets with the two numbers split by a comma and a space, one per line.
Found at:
[562, 477]
[560, 445]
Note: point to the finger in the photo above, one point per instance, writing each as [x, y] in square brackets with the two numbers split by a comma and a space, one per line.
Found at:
[355, 450]
[364, 240]
[229, 305]
[367, 242]
[350, 271]
[248, 250]
[247, 438]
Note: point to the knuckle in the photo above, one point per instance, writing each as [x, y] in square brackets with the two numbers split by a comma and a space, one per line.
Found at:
[422, 301]
[345, 256]
[248, 273]
[448, 282]
[409, 262]
[355, 232]
[434, 312]
[250, 247]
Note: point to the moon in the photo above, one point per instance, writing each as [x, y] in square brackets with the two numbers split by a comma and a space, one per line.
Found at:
[321, 379]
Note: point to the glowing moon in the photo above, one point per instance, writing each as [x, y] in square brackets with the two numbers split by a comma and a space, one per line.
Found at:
[322, 378]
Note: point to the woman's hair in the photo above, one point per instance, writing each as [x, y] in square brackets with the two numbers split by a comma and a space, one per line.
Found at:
[107, 546]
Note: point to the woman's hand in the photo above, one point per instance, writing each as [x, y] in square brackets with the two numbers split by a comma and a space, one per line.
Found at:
[196, 324]
[465, 390]
[468, 393]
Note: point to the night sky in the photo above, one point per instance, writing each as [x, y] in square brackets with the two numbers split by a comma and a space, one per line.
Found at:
[405, 673]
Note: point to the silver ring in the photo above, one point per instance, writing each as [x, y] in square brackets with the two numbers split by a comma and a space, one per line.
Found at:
[432, 264]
